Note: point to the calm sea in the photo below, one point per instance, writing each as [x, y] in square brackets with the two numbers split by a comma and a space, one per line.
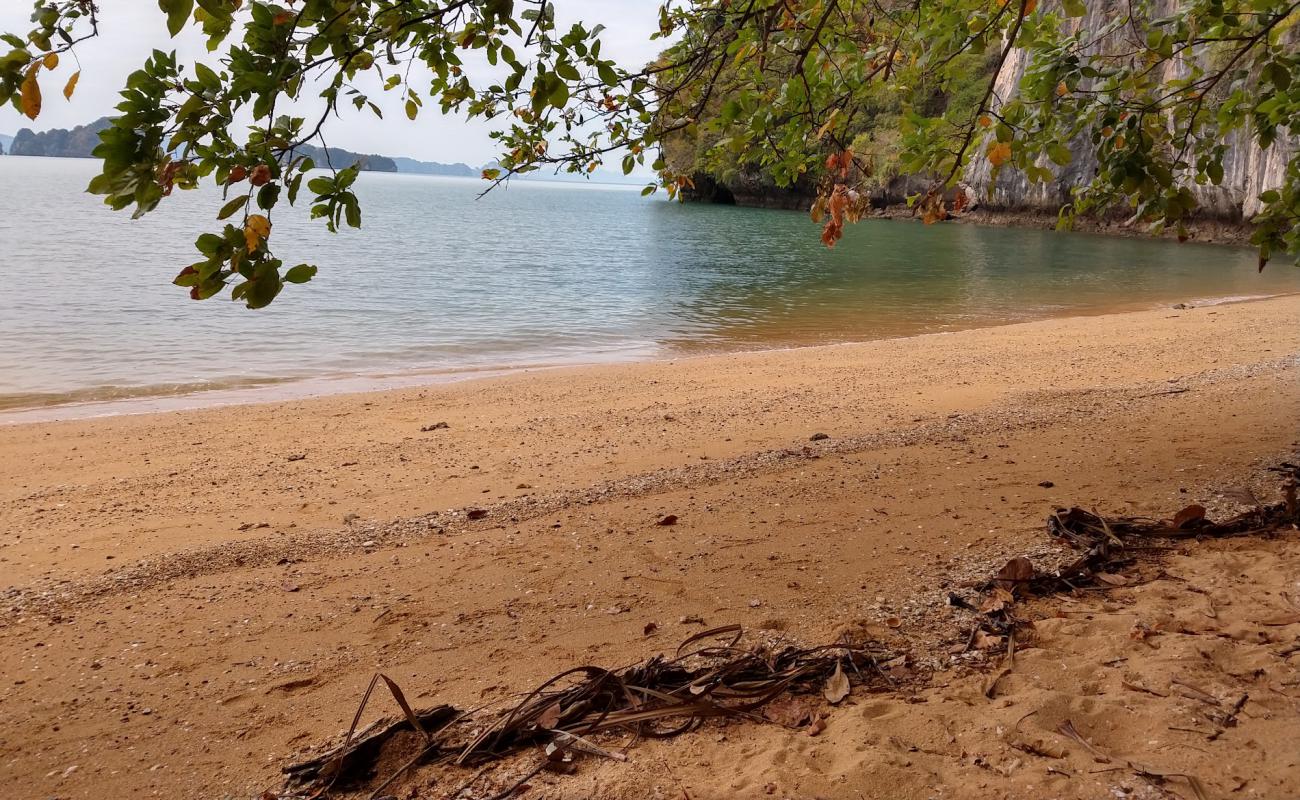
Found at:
[440, 283]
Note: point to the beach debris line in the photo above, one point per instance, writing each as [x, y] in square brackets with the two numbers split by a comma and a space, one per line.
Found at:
[711, 675]
[1112, 548]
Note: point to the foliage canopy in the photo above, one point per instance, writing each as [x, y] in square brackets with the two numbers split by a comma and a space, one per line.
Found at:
[1152, 87]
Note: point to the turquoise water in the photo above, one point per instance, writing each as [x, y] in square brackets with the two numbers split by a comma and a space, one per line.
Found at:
[539, 273]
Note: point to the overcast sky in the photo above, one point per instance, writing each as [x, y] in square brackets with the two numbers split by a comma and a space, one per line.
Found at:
[130, 29]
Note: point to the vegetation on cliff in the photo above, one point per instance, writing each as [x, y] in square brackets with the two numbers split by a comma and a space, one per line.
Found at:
[724, 168]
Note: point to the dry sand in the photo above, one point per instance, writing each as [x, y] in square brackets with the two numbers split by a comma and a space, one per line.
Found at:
[194, 598]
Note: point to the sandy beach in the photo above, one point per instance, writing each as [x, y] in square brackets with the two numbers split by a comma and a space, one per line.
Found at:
[192, 599]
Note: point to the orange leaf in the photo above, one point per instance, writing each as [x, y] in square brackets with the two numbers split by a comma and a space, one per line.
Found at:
[71, 85]
[1061, 89]
[985, 120]
[30, 99]
[933, 210]
[999, 153]
[1030, 6]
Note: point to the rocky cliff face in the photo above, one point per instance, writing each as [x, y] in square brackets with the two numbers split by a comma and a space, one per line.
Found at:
[1247, 171]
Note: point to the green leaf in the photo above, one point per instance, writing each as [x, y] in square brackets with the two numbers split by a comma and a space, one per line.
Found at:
[268, 196]
[178, 13]
[560, 95]
[567, 71]
[352, 210]
[209, 244]
[1215, 172]
[229, 209]
[300, 274]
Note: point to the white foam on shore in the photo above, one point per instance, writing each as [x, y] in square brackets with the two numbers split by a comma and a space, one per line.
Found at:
[334, 385]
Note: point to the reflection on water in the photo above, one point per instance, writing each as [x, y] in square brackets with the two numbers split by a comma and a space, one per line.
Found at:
[539, 273]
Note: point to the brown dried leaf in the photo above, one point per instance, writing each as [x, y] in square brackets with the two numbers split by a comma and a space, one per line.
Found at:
[1111, 579]
[1282, 619]
[1189, 516]
[996, 600]
[816, 726]
[550, 717]
[837, 686]
[790, 712]
[1016, 571]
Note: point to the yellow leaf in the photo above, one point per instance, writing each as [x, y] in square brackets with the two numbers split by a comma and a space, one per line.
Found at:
[30, 99]
[256, 230]
[999, 153]
[51, 60]
[826, 126]
[71, 85]
[744, 53]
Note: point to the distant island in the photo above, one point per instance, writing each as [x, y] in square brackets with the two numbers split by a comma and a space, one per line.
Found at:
[58, 142]
[81, 141]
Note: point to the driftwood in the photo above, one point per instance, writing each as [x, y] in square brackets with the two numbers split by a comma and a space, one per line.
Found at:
[709, 676]
[1111, 547]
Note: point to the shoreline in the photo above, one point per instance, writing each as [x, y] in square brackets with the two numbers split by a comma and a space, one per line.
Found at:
[279, 390]
[1210, 231]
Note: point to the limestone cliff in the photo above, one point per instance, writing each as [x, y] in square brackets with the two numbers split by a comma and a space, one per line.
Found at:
[1247, 171]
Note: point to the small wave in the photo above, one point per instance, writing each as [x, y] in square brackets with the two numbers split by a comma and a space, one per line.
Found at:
[1232, 298]
[110, 393]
